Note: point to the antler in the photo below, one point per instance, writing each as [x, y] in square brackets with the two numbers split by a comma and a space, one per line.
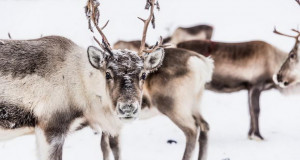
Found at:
[156, 46]
[92, 13]
[9, 36]
[275, 31]
[298, 1]
[297, 31]
[149, 4]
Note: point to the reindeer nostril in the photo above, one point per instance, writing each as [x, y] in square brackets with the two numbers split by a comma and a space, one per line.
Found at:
[135, 111]
[279, 77]
[120, 110]
[286, 83]
[126, 109]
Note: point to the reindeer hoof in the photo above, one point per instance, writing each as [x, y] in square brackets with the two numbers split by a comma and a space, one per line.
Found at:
[256, 137]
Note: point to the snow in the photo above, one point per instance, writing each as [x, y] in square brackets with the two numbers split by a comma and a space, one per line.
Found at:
[227, 114]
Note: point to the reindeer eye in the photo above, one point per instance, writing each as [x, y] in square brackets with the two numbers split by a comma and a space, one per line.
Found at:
[108, 76]
[143, 77]
[293, 56]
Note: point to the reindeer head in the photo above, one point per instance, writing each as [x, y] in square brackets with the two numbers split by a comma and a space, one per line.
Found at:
[125, 70]
[289, 72]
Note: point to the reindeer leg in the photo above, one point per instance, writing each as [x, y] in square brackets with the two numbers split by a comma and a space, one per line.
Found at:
[50, 146]
[105, 146]
[51, 133]
[187, 124]
[250, 132]
[115, 146]
[108, 142]
[204, 128]
[254, 95]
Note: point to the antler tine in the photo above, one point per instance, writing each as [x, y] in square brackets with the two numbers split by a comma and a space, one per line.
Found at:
[275, 31]
[93, 13]
[156, 46]
[9, 36]
[146, 24]
[297, 31]
[102, 28]
[99, 43]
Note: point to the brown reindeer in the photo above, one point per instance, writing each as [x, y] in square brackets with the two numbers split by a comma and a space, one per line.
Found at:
[174, 90]
[131, 45]
[199, 32]
[289, 73]
[241, 66]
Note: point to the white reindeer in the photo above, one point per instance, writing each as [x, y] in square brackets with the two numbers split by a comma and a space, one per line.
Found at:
[51, 86]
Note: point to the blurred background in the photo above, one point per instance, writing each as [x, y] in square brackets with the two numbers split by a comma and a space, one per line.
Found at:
[227, 114]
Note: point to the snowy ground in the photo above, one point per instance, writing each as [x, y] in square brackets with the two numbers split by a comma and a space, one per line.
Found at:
[227, 114]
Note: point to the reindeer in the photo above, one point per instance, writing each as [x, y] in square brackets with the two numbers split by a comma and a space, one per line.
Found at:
[198, 32]
[181, 34]
[174, 90]
[289, 74]
[241, 66]
[131, 45]
[52, 87]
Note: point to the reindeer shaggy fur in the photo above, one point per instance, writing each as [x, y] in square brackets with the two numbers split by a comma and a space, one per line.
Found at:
[51, 86]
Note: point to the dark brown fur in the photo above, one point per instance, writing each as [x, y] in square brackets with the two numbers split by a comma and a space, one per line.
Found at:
[64, 119]
[146, 102]
[228, 51]
[22, 58]
[13, 116]
[199, 28]
[56, 129]
[172, 67]
[167, 39]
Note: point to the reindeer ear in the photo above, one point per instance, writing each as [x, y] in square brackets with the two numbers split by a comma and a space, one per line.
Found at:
[96, 57]
[153, 60]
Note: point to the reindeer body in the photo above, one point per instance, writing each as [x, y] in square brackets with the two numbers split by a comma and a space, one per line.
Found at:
[48, 86]
[131, 45]
[241, 66]
[175, 90]
[198, 32]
